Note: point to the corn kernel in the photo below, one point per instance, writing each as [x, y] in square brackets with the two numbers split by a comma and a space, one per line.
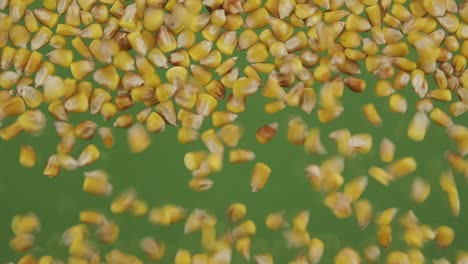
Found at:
[260, 175]
[444, 236]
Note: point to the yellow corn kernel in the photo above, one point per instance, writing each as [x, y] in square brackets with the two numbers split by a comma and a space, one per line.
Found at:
[212, 60]
[106, 135]
[231, 134]
[189, 119]
[202, 75]
[19, 36]
[7, 22]
[81, 47]
[33, 63]
[369, 46]
[137, 42]
[109, 110]
[123, 202]
[72, 14]
[384, 235]
[448, 185]
[300, 221]
[257, 53]
[52, 168]
[420, 190]
[387, 150]
[356, 23]
[143, 93]
[245, 86]
[81, 69]
[266, 133]
[241, 155]
[186, 135]
[186, 39]
[459, 64]
[153, 19]
[397, 257]
[215, 89]
[92, 217]
[89, 155]
[27, 157]
[246, 228]
[12, 106]
[200, 184]
[167, 111]
[25, 224]
[297, 131]
[100, 13]
[371, 114]
[274, 107]
[22, 243]
[402, 167]
[164, 92]
[313, 144]
[139, 208]
[155, 250]
[418, 126]
[180, 58]
[347, 255]
[246, 39]
[165, 40]
[296, 239]
[67, 30]
[444, 236]
[398, 103]
[443, 95]
[380, 175]
[236, 212]
[123, 61]
[142, 116]
[137, 138]
[32, 121]
[182, 257]
[78, 103]
[363, 212]
[440, 117]
[261, 173]
[355, 187]
[107, 76]
[276, 221]
[28, 259]
[8, 79]
[108, 233]
[281, 29]
[86, 130]
[117, 255]
[98, 98]
[92, 31]
[384, 88]
[401, 80]
[46, 17]
[206, 104]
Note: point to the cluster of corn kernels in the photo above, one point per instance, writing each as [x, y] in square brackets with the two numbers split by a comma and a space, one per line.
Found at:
[219, 248]
[175, 59]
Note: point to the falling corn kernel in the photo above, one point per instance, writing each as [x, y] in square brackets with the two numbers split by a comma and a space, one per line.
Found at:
[444, 236]
[276, 221]
[260, 175]
[420, 190]
[27, 156]
[266, 133]
[236, 212]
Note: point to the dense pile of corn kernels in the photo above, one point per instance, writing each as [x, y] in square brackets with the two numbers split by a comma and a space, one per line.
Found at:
[191, 62]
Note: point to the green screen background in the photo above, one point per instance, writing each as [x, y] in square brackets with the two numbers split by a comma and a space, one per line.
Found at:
[159, 177]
